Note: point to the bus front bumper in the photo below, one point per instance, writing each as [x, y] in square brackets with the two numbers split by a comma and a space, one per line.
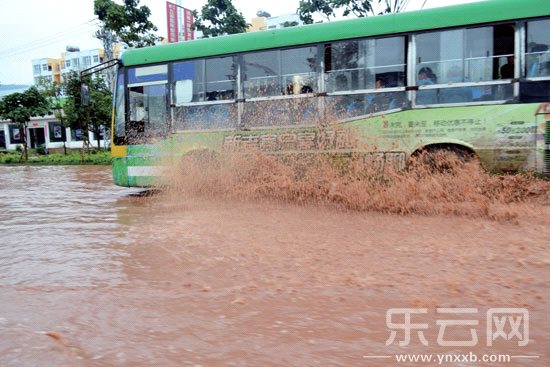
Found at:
[135, 172]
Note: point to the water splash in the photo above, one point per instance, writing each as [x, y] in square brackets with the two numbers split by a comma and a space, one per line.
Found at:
[441, 185]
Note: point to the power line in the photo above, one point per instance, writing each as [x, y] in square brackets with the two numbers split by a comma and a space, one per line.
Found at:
[52, 37]
[31, 48]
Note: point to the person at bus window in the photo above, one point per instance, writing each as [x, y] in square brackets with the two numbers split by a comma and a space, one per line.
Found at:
[379, 84]
[306, 89]
[140, 109]
[380, 101]
[426, 77]
[535, 69]
[289, 88]
[212, 96]
[507, 70]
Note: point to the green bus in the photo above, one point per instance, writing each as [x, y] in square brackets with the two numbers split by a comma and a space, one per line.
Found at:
[473, 78]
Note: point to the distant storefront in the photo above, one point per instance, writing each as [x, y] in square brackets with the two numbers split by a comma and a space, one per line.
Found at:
[46, 132]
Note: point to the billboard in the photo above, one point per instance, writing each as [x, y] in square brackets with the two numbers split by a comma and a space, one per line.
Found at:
[179, 23]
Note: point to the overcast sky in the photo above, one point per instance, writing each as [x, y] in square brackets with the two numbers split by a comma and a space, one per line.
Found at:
[32, 29]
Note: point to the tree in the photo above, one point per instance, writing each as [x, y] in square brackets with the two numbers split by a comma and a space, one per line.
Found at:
[358, 8]
[108, 41]
[307, 8]
[219, 17]
[92, 117]
[290, 24]
[53, 92]
[395, 6]
[128, 22]
[20, 107]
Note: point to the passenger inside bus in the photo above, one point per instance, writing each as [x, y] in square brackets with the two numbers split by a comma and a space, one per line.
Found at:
[381, 101]
[426, 77]
[507, 70]
[538, 67]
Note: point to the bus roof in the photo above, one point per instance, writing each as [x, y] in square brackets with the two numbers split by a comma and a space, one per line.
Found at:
[451, 16]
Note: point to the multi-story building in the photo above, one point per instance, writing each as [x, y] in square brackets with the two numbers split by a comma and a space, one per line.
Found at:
[279, 21]
[71, 60]
[47, 68]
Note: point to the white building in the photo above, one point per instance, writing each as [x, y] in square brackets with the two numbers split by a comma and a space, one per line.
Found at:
[279, 21]
[262, 23]
[57, 69]
[46, 132]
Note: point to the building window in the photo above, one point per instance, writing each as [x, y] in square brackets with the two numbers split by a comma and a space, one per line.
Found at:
[87, 61]
[75, 62]
[96, 59]
[45, 67]
[15, 134]
[57, 131]
[36, 69]
[68, 63]
[77, 135]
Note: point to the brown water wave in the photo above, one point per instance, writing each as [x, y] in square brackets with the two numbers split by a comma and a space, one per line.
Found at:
[91, 275]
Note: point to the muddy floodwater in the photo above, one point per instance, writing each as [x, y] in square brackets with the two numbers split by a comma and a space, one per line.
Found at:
[96, 275]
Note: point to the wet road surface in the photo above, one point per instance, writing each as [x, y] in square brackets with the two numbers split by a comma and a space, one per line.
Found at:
[94, 275]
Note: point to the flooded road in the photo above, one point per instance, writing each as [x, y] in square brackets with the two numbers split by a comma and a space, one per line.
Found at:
[95, 275]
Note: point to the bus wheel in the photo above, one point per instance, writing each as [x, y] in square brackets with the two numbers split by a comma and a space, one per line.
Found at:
[444, 159]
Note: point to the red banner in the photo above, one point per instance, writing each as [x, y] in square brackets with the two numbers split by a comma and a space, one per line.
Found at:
[172, 22]
[189, 33]
[180, 23]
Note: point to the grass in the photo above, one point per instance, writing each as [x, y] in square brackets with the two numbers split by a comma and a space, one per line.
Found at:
[72, 158]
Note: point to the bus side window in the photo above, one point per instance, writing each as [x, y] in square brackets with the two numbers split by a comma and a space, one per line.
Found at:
[538, 49]
[188, 81]
[221, 78]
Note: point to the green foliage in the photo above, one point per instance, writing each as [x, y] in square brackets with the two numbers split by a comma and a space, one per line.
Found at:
[290, 24]
[128, 21]
[97, 113]
[219, 17]
[53, 92]
[358, 8]
[20, 107]
[307, 8]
